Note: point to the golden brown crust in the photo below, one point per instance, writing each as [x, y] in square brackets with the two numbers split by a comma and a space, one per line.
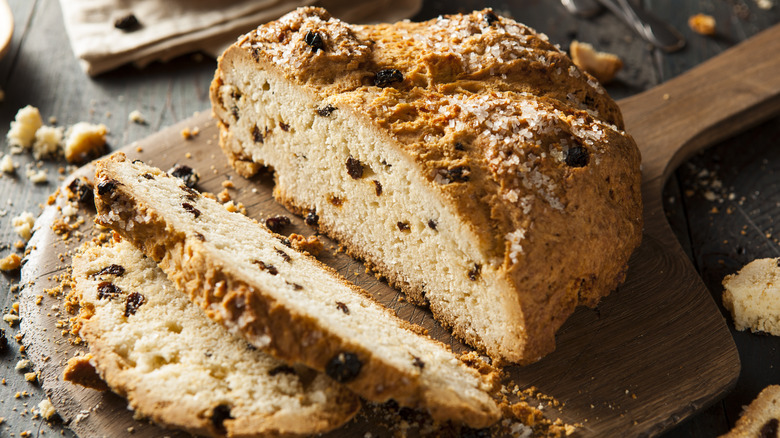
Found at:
[526, 149]
[227, 298]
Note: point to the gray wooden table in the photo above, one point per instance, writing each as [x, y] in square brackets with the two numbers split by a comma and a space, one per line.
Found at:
[720, 237]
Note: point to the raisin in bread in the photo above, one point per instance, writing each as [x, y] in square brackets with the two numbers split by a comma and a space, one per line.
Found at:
[182, 370]
[282, 300]
[761, 418]
[466, 158]
[753, 296]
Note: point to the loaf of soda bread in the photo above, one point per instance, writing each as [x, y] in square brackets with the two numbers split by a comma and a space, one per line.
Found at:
[752, 296]
[174, 365]
[465, 158]
[760, 419]
[284, 301]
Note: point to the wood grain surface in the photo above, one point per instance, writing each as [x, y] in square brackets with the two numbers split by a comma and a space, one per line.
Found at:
[640, 354]
[722, 204]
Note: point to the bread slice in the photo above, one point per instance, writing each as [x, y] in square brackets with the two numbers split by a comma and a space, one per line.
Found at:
[761, 418]
[466, 158]
[752, 295]
[182, 370]
[282, 300]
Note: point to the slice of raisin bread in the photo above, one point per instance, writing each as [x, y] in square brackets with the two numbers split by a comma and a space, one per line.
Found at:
[761, 419]
[282, 300]
[183, 370]
[466, 158]
[753, 296]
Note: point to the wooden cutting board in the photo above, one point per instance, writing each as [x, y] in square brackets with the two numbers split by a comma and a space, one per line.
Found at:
[653, 353]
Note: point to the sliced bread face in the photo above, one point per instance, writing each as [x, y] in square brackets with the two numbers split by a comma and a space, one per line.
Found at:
[174, 365]
[466, 158]
[282, 300]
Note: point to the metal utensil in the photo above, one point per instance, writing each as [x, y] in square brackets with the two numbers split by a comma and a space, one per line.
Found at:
[647, 25]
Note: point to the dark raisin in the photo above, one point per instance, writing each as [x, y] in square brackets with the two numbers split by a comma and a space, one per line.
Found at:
[588, 100]
[284, 255]
[459, 146]
[127, 23]
[234, 111]
[343, 367]
[343, 307]
[218, 417]
[192, 194]
[82, 191]
[257, 136]
[106, 187]
[769, 429]
[336, 201]
[388, 76]
[186, 174]
[577, 157]
[403, 226]
[490, 17]
[134, 301]
[474, 272]
[108, 290]
[281, 369]
[148, 176]
[266, 267]
[314, 40]
[432, 224]
[312, 219]
[112, 270]
[408, 414]
[285, 241]
[295, 286]
[378, 187]
[326, 110]
[456, 174]
[418, 362]
[195, 212]
[468, 432]
[354, 168]
[277, 223]
[200, 237]
[285, 127]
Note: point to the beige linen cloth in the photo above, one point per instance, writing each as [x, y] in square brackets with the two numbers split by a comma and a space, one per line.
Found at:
[169, 28]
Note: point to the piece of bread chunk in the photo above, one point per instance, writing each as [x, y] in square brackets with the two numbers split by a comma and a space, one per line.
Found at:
[174, 365]
[761, 418]
[752, 295]
[283, 301]
[465, 158]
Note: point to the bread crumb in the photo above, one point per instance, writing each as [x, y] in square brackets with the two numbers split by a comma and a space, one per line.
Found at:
[48, 142]
[84, 141]
[46, 409]
[31, 377]
[22, 131]
[224, 196]
[23, 225]
[11, 262]
[39, 176]
[762, 4]
[188, 133]
[135, 116]
[7, 164]
[702, 24]
[752, 296]
[228, 184]
[312, 245]
[604, 66]
[22, 365]
[11, 320]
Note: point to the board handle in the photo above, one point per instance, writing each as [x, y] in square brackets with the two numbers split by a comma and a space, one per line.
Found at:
[711, 102]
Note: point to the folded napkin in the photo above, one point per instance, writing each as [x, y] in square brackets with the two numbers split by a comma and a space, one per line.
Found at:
[169, 28]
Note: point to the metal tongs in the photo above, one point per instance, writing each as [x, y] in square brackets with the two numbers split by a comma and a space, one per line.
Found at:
[651, 28]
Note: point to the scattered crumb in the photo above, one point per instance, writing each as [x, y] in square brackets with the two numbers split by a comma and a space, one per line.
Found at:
[84, 141]
[22, 365]
[48, 141]
[11, 320]
[22, 131]
[135, 116]
[39, 176]
[31, 377]
[228, 184]
[188, 133]
[604, 66]
[313, 245]
[223, 196]
[46, 409]
[702, 24]
[7, 165]
[23, 225]
[762, 4]
[10, 263]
